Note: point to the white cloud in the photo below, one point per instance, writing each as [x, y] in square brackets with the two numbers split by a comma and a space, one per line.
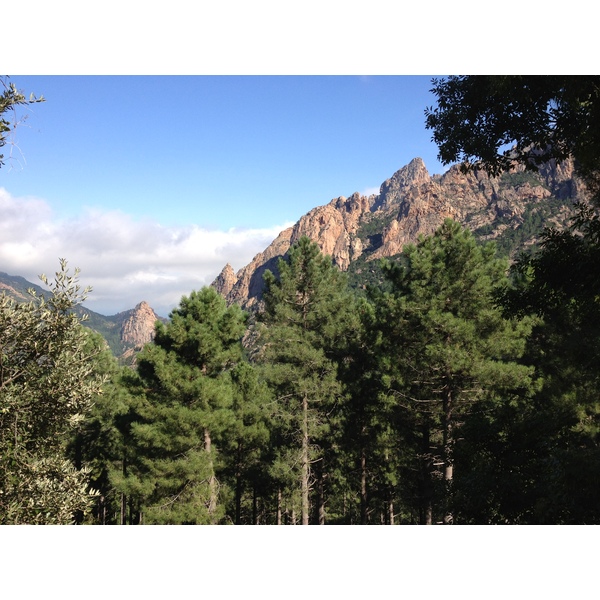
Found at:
[123, 259]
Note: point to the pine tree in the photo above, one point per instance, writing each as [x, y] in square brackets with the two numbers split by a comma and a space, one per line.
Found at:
[102, 441]
[245, 446]
[185, 375]
[369, 442]
[554, 438]
[305, 317]
[450, 348]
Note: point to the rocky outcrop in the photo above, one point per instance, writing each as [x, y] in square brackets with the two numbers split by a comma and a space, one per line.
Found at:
[137, 327]
[225, 281]
[334, 226]
[421, 207]
[414, 174]
[248, 280]
[125, 333]
[411, 203]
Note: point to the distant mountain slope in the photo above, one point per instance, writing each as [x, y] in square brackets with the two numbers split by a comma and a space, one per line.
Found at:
[125, 332]
[356, 231]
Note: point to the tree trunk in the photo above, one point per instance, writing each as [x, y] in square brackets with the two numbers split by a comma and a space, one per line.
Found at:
[304, 462]
[279, 506]
[448, 456]
[212, 482]
[426, 491]
[254, 506]
[123, 497]
[238, 487]
[321, 495]
[364, 500]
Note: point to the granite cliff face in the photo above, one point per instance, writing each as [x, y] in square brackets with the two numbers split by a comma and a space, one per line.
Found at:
[137, 328]
[225, 281]
[411, 203]
[246, 285]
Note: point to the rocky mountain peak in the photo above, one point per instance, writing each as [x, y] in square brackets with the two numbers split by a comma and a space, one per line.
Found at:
[414, 174]
[137, 327]
[413, 203]
[225, 280]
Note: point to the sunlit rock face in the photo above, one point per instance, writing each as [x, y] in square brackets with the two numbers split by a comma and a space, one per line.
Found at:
[411, 203]
[225, 281]
[137, 328]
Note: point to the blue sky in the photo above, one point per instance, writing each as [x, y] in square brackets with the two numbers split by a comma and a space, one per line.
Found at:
[150, 184]
[218, 151]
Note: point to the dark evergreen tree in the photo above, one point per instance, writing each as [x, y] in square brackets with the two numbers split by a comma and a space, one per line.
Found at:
[304, 334]
[187, 408]
[245, 446]
[493, 122]
[103, 443]
[96, 442]
[449, 348]
[370, 448]
[558, 433]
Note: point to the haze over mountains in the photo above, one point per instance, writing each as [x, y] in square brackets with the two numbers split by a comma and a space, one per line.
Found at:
[357, 231]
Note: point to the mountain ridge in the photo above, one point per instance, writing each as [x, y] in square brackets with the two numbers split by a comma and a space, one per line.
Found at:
[125, 332]
[357, 231]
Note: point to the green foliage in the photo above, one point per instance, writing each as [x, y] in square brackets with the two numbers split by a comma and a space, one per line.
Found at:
[246, 444]
[101, 440]
[108, 327]
[515, 179]
[364, 274]
[491, 122]
[447, 348]
[307, 311]
[48, 379]
[536, 460]
[449, 397]
[371, 452]
[534, 221]
[559, 284]
[563, 274]
[185, 393]
[10, 99]
[370, 228]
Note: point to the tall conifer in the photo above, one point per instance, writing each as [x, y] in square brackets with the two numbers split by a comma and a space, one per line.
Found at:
[450, 346]
[186, 378]
[306, 309]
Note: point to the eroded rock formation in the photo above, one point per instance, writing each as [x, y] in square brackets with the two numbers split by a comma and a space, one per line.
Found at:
[409, 204]
[137, 327]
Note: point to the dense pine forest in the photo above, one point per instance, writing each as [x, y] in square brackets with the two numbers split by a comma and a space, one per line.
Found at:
[463, 391]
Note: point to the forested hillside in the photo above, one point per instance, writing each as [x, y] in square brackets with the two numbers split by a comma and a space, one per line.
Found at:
[459, 387]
